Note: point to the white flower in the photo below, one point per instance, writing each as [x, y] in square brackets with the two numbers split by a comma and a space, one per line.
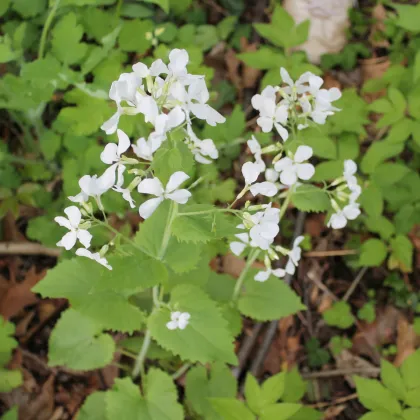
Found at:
[339, 219]
[171, 192]
[92, 186]
[300, 86]
[250, 172]
[268, 189]
[202, 149]
[72, 223]
[262, 276]
[144, 149]
[323, 107]
[112, 156]
[271, 175]
[266, 227]
[292, 169]
[238, 247]
[95, 256]
[294, 256]
[157, 68]
[126, 195]
[350, 168]
[178, 320]
[195, 99]
[149, 108]
[268, 94]
[255, 148]
[166, 122]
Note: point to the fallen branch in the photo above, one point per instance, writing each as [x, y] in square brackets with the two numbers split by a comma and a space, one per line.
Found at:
[27, 248]
[332, 253]
[373, 371]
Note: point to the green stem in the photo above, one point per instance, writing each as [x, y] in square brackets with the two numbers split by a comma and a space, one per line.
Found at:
[252, 257]
[46, 28]
[285, 204]
[173, 210]
[194, 213]
[139, 365]
[181, 371]
[118, 9]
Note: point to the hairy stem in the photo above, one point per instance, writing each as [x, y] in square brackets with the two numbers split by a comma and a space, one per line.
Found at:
[285, 204]
[46, 27]
[252, 257]
[181, 371]
[167, 233]
[139, 365]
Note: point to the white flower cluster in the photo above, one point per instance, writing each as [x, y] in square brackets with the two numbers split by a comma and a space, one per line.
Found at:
[348, 191]
[295, 104]
[168, 97]
[179, 320]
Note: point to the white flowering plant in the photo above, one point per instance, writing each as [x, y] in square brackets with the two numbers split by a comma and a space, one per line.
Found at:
[158, 283]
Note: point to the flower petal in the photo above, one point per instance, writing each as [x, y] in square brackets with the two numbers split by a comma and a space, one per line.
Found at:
[303, 153]
[62, 221]
[262, 276]
[268, 189]
[266, 124]
[123, 142]
[179, 196]
[84, 237]
[110, 126]
[175, 118]
[284, 134]
[305, 171]
[237, 247]
[149, 206]
[74, 215]
[250, 172]
[172, 325]
[68, 240]
[337, 221]
[151, 186]
[283, 164]
[110, 153]
[176, 179]
[289, 176]
[271, 175]
[279, 272]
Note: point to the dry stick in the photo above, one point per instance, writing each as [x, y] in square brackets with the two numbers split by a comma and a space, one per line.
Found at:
[332, 253]
[272, 327]
[355, 283]
[374, 371]
[335, 402]
[27, 248]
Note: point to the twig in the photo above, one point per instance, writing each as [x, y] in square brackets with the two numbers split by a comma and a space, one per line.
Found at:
[27, 248]
[183, 369]
[355, 283]
[272, 328]
[322, 287]
[373, 371]
[332, 253]
[335, 402]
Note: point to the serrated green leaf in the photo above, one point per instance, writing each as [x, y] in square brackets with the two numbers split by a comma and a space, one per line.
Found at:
[387, 174]
[164, 4]
[376, 415]
[7, 342]
[322, 145]
[160, 401]
[66, 36]
[272, 389]
[4, 6]
[295, 387]
[272, 299]
[379, 152]
[402, 251]
[264, 58]
[28, 9]
[373, 253]
[283, 411]
[50, 144]
[253, 394]
[409, 371]
[372, 200]
[231, 409]
[310, 198]
[133, 35]
[408, 16]
[374, 396]
[325, 171]
[339, 315]
[76, 342]
[12, 414]
[392, 379]
[205, 339]
[410, 414]
[200, 387]
[10, 379]
[95, 291]
[94, 407]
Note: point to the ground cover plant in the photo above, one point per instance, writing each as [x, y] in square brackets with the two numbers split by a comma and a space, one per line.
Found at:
[200, 223]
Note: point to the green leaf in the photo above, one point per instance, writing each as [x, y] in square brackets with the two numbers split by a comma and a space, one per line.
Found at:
[380, 225]
[322, 145]
[376, 415]
[379, 152]
[76, 342]
[325, 171]
[9, 379]
[164, 4]
[295, 387]
[138, 43]
[402, 251]
[12, 414]
[272, 299]
[28, 9]
[50, 144]
[4, 6]
[205, 339]
[372, 253]
[413, 397]
[374, 396]
[200, 387]
[42, 72]
[408, 16]
[283, 411]
[94, 292]
[372, 200]
[310, 198]
[264, 58]
[411, 414]
[66, 36]
[273, 389]
[367, 312]
[409, 371]
[206, 37]
[387, 174]
[94, 407]
[392, 379]
[160, 402]
[253, 394]
[7, 342]
[339, 315]
[231, 409]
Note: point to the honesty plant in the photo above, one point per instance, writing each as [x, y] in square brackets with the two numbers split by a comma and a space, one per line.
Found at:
[190, 311]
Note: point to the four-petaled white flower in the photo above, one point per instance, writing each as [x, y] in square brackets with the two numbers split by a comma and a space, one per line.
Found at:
[202, 149]
[292, 169]
[323, 107]
[112, 156]
[255, 148]
[95, 256]
[271, 114]
[262, 276]
[237, 247]
[171, 192]
[74, 217]
[339, 220]
[294, 256]
[179, 320]
[266, 227]
[144, 149]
